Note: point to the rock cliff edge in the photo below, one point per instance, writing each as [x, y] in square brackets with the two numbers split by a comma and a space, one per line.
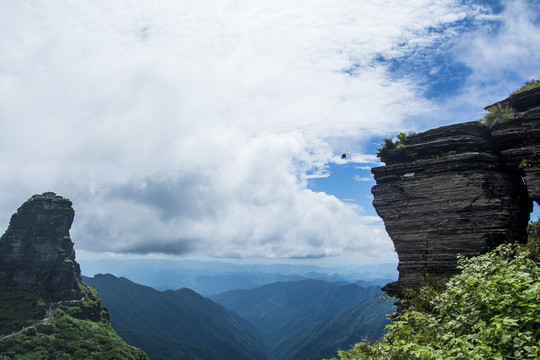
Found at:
[459, 189]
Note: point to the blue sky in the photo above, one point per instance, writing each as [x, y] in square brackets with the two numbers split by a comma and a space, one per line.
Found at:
[214, 129]
[351, 182]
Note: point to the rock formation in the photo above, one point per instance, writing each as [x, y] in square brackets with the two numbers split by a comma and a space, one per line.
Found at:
[36, 252]
[459, 189]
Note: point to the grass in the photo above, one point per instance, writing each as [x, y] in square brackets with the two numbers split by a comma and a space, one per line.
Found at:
[529, 85]
[498, 114]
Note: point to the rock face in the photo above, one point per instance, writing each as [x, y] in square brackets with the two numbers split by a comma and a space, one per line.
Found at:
[36, 252]
[459, 189]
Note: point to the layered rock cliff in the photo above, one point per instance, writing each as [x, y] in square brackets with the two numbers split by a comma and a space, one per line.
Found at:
[459, 189]
[36, 251]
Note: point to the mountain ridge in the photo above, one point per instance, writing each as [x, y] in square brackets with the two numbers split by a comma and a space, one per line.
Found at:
[288, 312]
[182, 318]
[214, 277]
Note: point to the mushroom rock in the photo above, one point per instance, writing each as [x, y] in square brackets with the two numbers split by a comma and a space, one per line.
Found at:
[459, 189]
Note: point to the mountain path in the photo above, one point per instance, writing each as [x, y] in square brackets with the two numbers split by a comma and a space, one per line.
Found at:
[47, 318]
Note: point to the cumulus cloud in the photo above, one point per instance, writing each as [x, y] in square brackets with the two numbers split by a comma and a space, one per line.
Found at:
[510, 46]
[192, 127]
[495, 57]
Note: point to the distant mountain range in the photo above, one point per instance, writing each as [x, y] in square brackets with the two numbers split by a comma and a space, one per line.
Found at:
[46, 312]
[214, 277]
[177, 324]
[363, 321]
[284, 320]
[316, 312]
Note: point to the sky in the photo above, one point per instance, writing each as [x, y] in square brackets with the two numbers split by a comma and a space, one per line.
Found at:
[214, 129]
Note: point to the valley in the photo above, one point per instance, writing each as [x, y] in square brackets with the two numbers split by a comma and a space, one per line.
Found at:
[278, 321]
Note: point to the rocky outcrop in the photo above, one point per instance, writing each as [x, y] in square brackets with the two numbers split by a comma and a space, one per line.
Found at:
[36, 252]
[459, 189]
[519, 144]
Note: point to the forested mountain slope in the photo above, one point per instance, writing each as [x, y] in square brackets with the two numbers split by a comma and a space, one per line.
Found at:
[69, 330]
[294, 313]
[177, 324]
[366, 320]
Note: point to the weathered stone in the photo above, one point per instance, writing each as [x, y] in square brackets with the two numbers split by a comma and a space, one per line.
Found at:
[519, 102]
[459, 189]
[36, 252]
[519, 145]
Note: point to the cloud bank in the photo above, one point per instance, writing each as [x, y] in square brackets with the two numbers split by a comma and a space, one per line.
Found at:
[191, 127]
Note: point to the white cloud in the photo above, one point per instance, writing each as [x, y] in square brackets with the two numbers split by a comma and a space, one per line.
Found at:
[360, 178]
[499, 57]
[510, 46]
[190, 126]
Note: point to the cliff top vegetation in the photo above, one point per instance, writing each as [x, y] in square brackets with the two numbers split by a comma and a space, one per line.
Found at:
[72, 330]
[529, 85]
[497, 113]
[502, 112]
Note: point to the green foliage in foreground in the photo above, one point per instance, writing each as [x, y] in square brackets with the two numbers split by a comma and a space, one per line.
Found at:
[78, 331]
[489, 311]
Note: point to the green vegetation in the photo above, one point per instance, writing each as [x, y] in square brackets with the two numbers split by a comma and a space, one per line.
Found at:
[489, 311]
[390, 143]
[177, 324]
[530, 161]
[533, 244]
[498, 114]
[524, 163]
[310, 318]
[529, 85]
[78, 331]
[19, 309]
[365, 320]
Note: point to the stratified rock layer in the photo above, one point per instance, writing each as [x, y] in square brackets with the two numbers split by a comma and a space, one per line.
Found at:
[36, 252]
[459, 189]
